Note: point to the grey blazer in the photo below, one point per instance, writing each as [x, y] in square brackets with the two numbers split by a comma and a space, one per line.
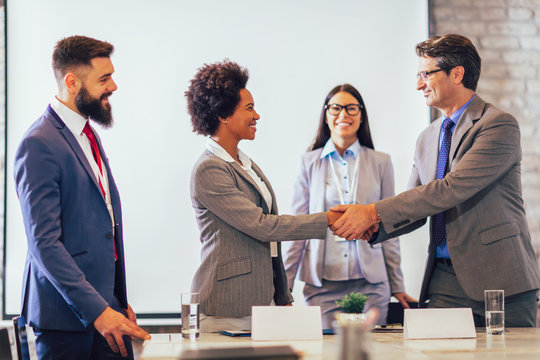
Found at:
[380, 262]
[237, 271]
[486, 228]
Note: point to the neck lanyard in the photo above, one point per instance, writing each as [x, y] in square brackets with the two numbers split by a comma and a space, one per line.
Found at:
[353, 182]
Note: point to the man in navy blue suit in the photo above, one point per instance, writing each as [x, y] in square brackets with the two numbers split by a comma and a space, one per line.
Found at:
[74, 287]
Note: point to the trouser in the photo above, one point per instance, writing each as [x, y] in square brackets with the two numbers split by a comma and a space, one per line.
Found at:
[446, 292]
[378, 297]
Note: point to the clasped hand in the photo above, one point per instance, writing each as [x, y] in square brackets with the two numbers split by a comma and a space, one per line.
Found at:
[356, 222]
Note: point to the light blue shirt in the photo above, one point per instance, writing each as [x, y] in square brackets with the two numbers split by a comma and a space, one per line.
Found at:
[442, 252]
[340, 257]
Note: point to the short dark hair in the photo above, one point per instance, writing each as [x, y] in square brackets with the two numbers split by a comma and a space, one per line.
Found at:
[75, 51]
[214, 92]
[363, 133]
[453, 50]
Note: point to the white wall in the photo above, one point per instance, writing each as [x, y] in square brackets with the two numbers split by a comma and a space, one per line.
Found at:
[296, 51]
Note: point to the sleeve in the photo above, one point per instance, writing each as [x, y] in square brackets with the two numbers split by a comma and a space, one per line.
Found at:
[391, 248]
[215, 189]
[294, 250]
[496, 148]
[37, 179]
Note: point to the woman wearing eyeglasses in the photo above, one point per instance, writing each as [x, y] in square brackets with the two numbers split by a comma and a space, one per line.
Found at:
[235, 207]
[342, 167]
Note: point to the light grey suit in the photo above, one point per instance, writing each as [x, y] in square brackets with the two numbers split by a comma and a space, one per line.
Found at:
[236, 270]
[486, 228]
[378, 263]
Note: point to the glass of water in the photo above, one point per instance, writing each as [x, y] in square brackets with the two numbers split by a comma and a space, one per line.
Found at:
[494, 303]
[190, 315]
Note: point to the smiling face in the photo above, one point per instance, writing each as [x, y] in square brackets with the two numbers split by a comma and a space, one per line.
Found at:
[438, 88]
[242, 124]
[343, 126]
[97, 85]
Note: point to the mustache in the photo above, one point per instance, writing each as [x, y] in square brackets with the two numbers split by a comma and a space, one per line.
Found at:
[105, 96]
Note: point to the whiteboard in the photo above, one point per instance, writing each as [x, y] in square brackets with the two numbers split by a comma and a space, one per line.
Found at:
[296, 51]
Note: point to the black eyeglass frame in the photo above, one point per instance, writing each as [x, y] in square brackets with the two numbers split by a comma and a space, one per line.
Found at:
[424, 74]
[341, 107]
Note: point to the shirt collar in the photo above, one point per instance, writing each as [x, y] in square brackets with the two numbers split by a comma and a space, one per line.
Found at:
[330, 148]
[74, 121]
[455, 116]
[221, 153]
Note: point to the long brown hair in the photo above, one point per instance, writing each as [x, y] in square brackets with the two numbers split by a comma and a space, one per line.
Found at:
[363, 133]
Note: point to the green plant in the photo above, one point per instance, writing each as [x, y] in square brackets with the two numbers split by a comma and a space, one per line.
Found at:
[352, 303]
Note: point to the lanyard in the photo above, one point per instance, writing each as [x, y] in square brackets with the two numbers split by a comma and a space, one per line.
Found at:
[353, 182]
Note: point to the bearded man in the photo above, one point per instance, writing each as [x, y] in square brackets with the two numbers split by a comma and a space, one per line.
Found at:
[74, 286]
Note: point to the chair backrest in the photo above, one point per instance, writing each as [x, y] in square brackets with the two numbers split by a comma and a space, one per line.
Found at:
[5, 346]
[21, 339]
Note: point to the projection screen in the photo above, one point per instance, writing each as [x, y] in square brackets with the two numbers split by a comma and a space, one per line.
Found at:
[296, 51]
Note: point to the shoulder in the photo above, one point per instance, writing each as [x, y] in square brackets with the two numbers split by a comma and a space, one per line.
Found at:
[375, 156]
[208, 162]
[311, 156]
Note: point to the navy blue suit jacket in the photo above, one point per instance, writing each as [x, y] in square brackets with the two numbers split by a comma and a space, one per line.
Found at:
[70, 274]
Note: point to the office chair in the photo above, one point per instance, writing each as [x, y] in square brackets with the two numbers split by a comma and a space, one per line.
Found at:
[5, 346]
[21, 339]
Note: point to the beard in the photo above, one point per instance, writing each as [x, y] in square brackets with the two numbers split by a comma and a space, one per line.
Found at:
[92, 108]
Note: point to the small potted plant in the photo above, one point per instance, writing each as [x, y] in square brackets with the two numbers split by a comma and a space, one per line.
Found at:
[352, 306]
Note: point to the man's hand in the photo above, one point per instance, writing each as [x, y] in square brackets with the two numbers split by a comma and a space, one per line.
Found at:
[113, 325]
[356, 222]
[333, 216]
[404, 299]
[131, 314]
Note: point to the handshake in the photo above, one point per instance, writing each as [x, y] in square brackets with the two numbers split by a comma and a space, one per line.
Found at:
[353, 221]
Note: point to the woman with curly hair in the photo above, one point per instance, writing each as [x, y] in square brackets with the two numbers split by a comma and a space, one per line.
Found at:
[235, 206]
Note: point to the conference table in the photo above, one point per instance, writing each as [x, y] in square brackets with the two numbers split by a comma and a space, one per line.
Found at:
[516, 343]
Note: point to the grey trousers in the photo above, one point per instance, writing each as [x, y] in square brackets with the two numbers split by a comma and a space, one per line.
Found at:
[326, 296]
[446, 292]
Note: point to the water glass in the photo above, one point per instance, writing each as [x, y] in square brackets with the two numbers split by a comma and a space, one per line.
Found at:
[494, 303]
[190, 315]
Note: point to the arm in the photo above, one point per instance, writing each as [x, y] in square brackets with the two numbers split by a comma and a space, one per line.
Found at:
[495, 150]
[214, 187]
[37, 178]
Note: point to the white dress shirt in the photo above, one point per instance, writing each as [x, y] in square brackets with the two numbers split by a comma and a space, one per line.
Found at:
[340, 257]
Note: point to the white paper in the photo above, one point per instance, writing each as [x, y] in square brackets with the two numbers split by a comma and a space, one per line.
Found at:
[286, 323]
[438, 324]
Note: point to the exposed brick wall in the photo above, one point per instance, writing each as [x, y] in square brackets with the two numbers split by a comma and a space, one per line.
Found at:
[507, 36]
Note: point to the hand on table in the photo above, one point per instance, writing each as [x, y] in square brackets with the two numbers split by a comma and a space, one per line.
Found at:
[404, 299]
[113, 325]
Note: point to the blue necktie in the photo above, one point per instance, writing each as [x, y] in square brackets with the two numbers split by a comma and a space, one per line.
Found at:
[438, 220]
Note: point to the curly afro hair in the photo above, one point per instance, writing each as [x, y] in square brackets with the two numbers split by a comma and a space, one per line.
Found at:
[214, 92]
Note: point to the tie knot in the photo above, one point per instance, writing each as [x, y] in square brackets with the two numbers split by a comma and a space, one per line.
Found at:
[87, 129]
[447, 123]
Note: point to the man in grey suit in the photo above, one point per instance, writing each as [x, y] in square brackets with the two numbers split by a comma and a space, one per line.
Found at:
[467, 178]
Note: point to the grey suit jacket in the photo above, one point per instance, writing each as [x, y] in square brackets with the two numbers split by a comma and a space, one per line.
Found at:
[486, 228]
[380, 262]
[237, 271]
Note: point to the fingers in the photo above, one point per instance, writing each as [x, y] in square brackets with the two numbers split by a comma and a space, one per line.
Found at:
[339, 208]
[120, 342]
[112, 343]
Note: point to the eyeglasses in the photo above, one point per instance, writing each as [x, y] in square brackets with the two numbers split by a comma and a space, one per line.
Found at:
[335, 109]
[424, 74]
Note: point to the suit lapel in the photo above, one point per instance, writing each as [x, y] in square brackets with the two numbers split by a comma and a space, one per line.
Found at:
[471, 114]
[74, 144]
[248, 178]
[429, 158]
[259, 173]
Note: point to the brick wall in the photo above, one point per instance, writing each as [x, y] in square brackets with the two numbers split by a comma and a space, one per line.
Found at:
[507, 36]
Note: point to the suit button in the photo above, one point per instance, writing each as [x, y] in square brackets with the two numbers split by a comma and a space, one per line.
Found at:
[108, 235]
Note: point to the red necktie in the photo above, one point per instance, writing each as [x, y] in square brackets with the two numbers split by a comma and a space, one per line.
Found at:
[97, 157]
[95, 151]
